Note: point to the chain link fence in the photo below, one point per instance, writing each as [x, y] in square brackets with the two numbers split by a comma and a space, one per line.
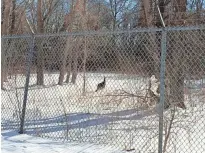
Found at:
[140, 91]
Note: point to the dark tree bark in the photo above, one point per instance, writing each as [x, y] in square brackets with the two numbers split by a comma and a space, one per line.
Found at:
[69, 67]
[4, 31]
[40, 29]
[13, 17]
[176, 64]
[174, 93]
[62, 73]
[3, 68]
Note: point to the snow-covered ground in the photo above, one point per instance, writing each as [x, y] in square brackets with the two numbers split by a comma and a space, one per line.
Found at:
[12, 142]
[112, 116]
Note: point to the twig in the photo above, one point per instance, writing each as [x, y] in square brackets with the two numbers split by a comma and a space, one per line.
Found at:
[169, 130]
[66, 118]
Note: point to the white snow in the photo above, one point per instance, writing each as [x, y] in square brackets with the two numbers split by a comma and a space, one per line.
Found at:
[12, 142]
[64, 113]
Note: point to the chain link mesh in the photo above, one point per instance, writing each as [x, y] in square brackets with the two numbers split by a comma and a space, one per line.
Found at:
[103, 88]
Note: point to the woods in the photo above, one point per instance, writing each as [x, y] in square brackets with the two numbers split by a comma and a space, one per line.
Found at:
[60, 16]
[52, 16]
[124, 72]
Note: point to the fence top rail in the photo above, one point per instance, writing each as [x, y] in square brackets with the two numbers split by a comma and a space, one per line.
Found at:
[90, 33]
[17, 36]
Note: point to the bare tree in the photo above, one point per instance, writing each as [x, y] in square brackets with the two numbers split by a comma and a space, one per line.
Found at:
[174, 71]
[117, 10]
[66, 54]
[79, 23]
[4, 18]
[43, 12]
[68, 49]
[8, 27]
[40, 29]
[78, 18]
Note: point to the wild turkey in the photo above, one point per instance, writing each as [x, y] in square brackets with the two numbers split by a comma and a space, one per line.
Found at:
[101, 85]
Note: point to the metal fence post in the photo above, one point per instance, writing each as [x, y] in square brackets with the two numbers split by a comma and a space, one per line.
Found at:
[162, 88]
[28, 68]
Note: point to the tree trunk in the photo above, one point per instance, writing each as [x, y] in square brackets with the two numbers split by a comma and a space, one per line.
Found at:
[174, 91]
[146, 14]
[69, 60]
[68, 70]
[62, 73]
[4, 31]
[40, 29]
[64, 61]
[175, 70]
[3, 68]
[75, 65]
[5, 60]
[40, 64]
[74, 76]
[70, 29]
[2, 12]
[68, 50]
[13, 17]
[174, 82]
[177, 88]
[175, 63]
[153, 49]
[69, 67]
[5, 17]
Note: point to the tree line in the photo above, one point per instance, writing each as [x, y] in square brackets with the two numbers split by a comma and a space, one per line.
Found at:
[56, 16]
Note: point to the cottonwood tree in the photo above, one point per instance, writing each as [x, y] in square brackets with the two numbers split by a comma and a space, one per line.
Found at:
[78, 19]
[4, 25]
[180, 53]
[174, 72]
[72, 23]
[13, 20]
[39, 14]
